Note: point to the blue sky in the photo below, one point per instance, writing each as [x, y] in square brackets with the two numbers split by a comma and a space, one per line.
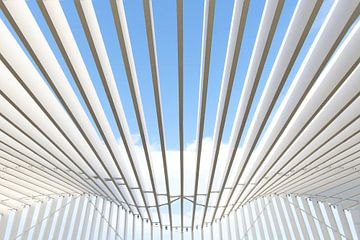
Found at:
[166, 40]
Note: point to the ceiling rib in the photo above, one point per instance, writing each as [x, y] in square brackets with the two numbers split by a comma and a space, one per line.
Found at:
[208, 22]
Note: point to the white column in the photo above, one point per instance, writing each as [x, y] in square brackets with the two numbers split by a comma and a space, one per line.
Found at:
[86, 218]
[300, 218]
[355, 215]
[39, 221]
[3, 224]
[236, 223]
[344, 223]
[291, 218]
[330, 215]
[60, 218]
[320, 217]
[282, 217]
[310, 218]
[69, 217]
[262, 207]
[27, 223]
[76, 221]
[94, 217]
[15, 223]
[50, 218]
[272, 216]
[102, 220]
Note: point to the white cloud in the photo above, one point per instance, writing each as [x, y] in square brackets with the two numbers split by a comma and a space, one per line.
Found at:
[173, 167]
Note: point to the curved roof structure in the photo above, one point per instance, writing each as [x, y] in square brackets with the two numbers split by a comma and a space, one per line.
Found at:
[253, 133]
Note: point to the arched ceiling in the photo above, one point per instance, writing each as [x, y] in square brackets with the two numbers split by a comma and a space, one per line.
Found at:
[301, 135]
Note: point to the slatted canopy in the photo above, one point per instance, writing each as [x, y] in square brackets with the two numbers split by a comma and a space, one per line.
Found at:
[294, 131]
